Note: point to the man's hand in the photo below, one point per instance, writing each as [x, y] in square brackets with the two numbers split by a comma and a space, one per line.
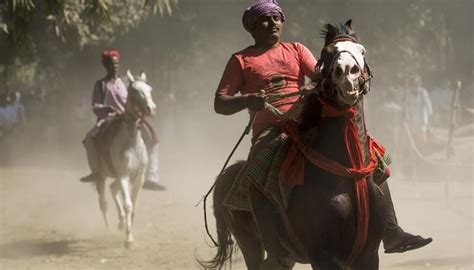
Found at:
[255, 102]
[112, 112]
[308, 87]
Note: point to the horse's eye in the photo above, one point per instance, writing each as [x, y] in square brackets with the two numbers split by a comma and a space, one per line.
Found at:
[354, 69]
[339, 71]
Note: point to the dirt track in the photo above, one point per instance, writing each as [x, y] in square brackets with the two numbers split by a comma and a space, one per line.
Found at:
[49, 220]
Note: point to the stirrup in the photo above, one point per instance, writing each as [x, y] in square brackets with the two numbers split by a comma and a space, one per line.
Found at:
[93, 177]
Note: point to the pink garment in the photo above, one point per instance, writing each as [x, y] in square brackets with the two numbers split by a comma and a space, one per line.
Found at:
[109, 96]
[277, 70]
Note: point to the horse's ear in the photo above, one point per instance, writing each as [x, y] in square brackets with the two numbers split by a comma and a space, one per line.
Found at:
[349, 30]
[348, 24]
[142, 76]
[130, 76]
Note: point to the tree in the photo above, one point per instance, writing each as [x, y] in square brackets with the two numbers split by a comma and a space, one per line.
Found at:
[34, 32]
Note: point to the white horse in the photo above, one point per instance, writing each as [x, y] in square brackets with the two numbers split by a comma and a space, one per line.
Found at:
[124, 157]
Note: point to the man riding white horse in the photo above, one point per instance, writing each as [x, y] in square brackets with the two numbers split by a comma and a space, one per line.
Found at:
[108, 100]
[280, 67]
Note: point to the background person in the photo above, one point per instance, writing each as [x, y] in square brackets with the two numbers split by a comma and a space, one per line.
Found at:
[108, 99]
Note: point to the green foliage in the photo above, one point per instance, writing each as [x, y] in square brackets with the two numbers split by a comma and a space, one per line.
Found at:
[31, 30]
[416, 53]
[24, 75]
[79, 22]
[161, 6]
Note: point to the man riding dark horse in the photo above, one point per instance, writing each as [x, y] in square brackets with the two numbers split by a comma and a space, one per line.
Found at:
[108, 101]
[278, 68]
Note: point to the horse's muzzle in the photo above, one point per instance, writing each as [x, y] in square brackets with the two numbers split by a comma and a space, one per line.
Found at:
[149, 111]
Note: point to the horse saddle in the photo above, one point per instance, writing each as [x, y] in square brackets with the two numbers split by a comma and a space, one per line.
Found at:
[108, 129]
[263, 172]
[110, 125]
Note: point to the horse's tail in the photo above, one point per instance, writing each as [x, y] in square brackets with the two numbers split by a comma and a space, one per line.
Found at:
[225, 244]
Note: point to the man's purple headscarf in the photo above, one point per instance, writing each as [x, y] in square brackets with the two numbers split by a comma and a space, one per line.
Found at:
[261, 8]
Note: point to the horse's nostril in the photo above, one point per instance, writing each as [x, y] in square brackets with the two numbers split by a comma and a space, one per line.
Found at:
[348, 85]
[354, 69]
[150, 109]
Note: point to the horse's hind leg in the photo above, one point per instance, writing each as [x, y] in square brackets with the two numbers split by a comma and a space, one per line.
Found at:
[238, 223]
[100, 185]
[266, 220]
[245, 232]
[115, 191]
[128, 207]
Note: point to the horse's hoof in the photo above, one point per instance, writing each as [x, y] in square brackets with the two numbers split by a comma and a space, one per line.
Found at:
[130, 245]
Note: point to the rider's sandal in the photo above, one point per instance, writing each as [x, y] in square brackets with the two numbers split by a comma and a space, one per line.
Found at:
[411, 243]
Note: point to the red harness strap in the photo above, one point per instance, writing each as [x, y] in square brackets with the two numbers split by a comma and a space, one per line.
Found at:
[292, 171]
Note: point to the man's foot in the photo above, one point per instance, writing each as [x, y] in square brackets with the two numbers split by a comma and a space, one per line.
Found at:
[93, 177]
[150, 185]
[398, 241]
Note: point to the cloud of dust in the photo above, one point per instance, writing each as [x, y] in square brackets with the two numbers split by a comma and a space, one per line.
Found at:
[184, 58]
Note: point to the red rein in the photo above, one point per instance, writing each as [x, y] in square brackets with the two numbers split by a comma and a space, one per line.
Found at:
[292, 171]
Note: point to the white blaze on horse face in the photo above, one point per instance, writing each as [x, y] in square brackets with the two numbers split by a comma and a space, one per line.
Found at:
[150, 102]
[346, 70]
[145, 89]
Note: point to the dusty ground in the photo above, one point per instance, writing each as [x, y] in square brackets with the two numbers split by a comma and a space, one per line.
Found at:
[49, 220]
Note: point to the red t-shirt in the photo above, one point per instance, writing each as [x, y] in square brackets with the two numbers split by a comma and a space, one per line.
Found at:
[277, 70]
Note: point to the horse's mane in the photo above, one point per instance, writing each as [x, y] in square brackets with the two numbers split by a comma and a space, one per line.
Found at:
[332, 31]
[311, 113]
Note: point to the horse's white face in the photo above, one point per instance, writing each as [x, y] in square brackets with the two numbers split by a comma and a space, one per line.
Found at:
[346, 70]
[140, 92]
[144, 94]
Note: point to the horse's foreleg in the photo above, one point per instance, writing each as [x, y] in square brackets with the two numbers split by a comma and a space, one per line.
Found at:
[128, 207]
[324, 260]
[115, 191]
[100, 185]
[266, 220]
[137, 184]
[368, 262]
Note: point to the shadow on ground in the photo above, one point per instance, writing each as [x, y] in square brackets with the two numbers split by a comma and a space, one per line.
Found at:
[33, 248]
[467, 260]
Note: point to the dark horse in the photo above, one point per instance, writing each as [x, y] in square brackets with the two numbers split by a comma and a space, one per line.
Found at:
[322, 218]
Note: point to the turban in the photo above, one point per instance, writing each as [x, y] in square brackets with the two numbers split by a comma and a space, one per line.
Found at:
[107, 55]
[261, 8]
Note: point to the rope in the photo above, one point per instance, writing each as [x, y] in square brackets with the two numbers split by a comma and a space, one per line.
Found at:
[289, 114]
[424, 158]
[271, 108]
[244, 133]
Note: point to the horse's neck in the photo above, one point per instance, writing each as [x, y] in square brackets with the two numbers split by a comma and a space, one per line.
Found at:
[331, 139]
[130, 130]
